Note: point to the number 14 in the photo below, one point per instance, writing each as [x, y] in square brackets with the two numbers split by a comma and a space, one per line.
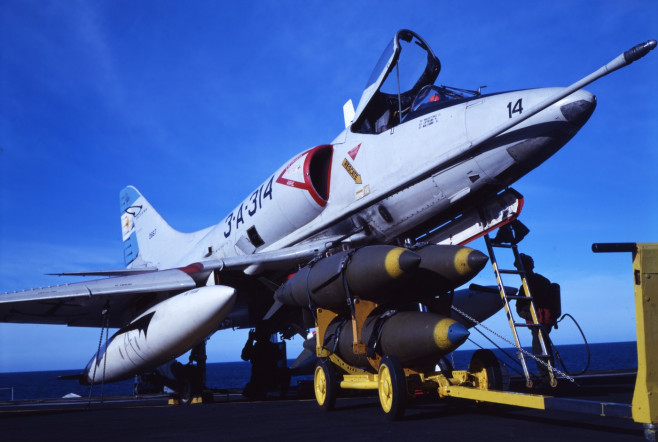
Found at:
[518, 107]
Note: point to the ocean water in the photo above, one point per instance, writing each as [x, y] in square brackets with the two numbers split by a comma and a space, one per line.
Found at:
[225, 375]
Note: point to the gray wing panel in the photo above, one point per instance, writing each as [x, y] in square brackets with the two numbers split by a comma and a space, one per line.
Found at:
[81, 304]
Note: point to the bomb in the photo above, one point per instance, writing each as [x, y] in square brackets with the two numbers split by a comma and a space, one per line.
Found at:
[443, 268]
[381, 274]
[371, 273]
[415, 338]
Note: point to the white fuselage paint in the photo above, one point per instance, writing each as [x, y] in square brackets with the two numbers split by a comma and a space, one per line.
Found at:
[387, 164]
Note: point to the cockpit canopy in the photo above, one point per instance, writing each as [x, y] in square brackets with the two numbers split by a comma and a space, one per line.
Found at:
[405, 67]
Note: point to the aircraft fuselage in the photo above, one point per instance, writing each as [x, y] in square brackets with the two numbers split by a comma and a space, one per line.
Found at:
[394, 181]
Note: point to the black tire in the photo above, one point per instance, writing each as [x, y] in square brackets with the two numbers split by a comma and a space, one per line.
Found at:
[190, 384]
[185, 393]
[446, 367]
[325, 384]
[392, 387]
[485, 361]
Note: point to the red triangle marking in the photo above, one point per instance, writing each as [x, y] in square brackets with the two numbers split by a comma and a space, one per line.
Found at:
[352, 153]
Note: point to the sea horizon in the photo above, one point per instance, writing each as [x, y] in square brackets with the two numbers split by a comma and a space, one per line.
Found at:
[235, 374]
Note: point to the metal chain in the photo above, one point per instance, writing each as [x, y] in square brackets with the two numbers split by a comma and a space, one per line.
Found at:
[548, 367]
[98, 352]
[107, 337]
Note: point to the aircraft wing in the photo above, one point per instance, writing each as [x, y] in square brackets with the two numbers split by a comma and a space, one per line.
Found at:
[82, 303]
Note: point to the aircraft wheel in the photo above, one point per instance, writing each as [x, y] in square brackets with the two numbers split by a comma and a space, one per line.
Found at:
[485, 365]
[392, 387]
[325, 385]
[190, 384]
[185, 393]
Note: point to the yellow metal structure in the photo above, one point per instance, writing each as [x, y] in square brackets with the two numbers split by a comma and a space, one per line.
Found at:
[320, 385]
[498, 397]
[368, 381]
[645, 275]
[323, 319]
[385, 387]
[644, 408]
[194, 400]
[345, 366]
[475, 385]
[362, 310]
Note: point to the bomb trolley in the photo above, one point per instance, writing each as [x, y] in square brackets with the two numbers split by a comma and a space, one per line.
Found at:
[483, 380]
[387, 374]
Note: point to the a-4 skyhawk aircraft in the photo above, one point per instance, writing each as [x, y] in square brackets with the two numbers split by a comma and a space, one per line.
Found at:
[379, 215]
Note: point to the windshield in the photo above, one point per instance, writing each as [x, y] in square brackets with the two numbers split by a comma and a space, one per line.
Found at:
[409, 69]
[431, 98]
[431, 95]
[384, 59]
[404, 68]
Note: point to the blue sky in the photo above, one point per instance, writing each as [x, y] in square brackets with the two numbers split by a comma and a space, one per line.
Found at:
[195, 104]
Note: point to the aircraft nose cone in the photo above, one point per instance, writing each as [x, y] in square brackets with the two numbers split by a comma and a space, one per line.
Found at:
[578, 111]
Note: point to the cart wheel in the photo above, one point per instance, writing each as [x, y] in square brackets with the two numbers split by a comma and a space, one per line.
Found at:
[445, 367]
[486, 365]
[392, 387]
[325, 385]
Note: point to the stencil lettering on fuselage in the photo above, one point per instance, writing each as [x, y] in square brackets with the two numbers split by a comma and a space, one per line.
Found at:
[351, 171]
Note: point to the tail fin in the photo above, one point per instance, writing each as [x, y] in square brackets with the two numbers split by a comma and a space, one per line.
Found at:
[148, 241]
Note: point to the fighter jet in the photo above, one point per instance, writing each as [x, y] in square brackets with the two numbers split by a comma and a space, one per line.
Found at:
[380, 215]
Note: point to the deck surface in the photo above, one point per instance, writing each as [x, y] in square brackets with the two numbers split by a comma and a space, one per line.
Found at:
[231, 417]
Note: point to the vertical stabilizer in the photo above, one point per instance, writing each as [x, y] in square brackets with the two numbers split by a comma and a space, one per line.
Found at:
[148, 241]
